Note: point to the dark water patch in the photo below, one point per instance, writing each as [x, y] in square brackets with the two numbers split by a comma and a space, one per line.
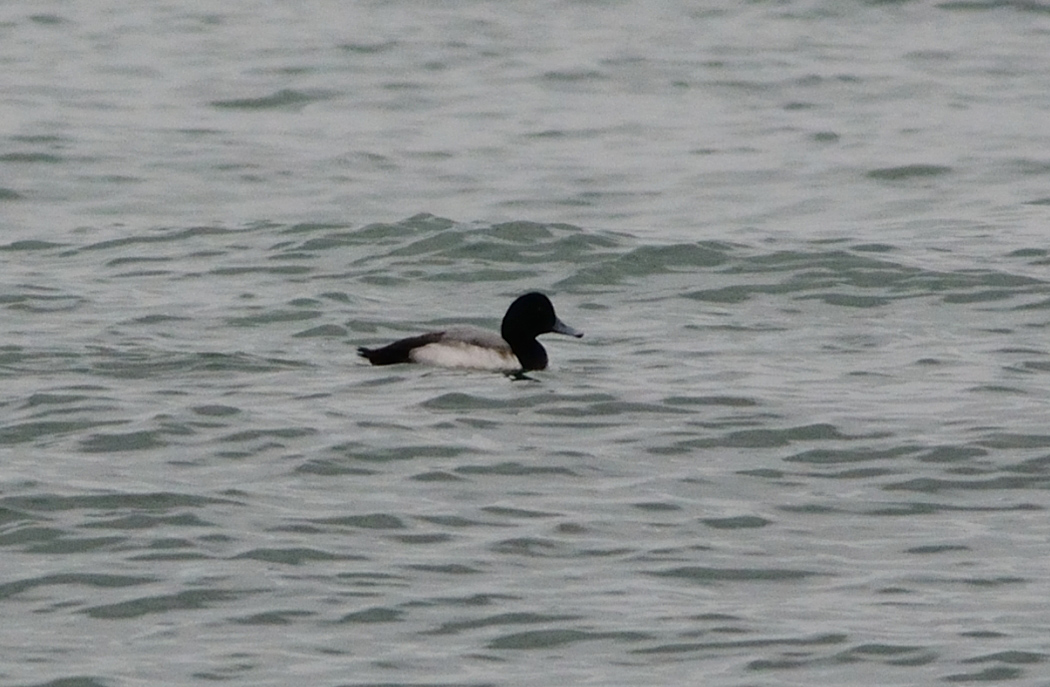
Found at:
[280, 270]
[709, 575]
[436, 476]
[533, 547]
[849, 300]
[331, 467]
[498, 620]
[424, 539]
[951, 454]
[849, 278]
[728, 401]
[1029, 253]
[137, 260]
[131, 441]
[30, 245]
[446, 569]
[874, 248]
[32, 158]
[41, 302]
[737, 522]
[757, 438]
[888, 654]
[517, 513]
[76, 681]
[48, 19]
[936, 548]
[726, 294]
[989, 582]
[368, 521]
[983, 634]
[162, 236]
[1031, 466]
[215, 410]
[1016, 441]
[857, 473]
[378, 614]
[993, 674]
[25, 432]
[72, 545]
[143, 521]
[831, 457]
[453, 521]
[386, 233]
[29, 536]
[907, 172]
[97, 580]
[8, 516]
[373, 48]
[982, 5]
[643, 261]
[905, 509]
[1043, 304]
[1010, 657]
[480, 275]
[996, 389]
[273, 433]
[146, 364]
[930, 485]
[286, 617]
[610, 408]
[470, 601]
[372, 580]
[147, 501]
[459, 401]
[294, 556]
[765, 473]
[515, 469]
[332, 331]
[170, 543]
[374, 454]
[1030, 367]
[830, 639]
[554, 638]
[148, 320]
[980, 296]
[333, 241]
[496, 253]
[573, 75]
[286, 99]
[191, 600]
[657, 506]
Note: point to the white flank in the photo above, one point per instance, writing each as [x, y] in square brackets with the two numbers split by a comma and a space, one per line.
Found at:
[464, 355]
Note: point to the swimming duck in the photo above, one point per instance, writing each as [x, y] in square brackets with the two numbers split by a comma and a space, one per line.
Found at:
[514, 350]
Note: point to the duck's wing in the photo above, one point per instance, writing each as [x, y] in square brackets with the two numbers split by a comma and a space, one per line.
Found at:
[474, 336]
[400, 351]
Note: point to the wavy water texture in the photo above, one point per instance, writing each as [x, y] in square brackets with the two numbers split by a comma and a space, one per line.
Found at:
[813, 458]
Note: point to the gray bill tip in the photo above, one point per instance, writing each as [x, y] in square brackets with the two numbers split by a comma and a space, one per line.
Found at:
[562, 328]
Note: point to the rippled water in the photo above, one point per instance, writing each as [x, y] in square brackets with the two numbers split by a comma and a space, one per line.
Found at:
[803, 441]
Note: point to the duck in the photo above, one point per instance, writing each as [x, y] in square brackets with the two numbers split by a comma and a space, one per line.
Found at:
[513, 351]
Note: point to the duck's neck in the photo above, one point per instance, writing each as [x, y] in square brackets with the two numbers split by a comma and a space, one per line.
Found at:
[529, 352]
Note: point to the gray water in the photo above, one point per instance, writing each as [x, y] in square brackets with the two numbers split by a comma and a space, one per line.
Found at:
[804, 441]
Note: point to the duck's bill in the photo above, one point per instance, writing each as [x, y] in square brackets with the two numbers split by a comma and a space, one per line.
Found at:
[562, 328]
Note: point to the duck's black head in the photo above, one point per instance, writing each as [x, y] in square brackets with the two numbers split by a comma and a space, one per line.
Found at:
[531, 315]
